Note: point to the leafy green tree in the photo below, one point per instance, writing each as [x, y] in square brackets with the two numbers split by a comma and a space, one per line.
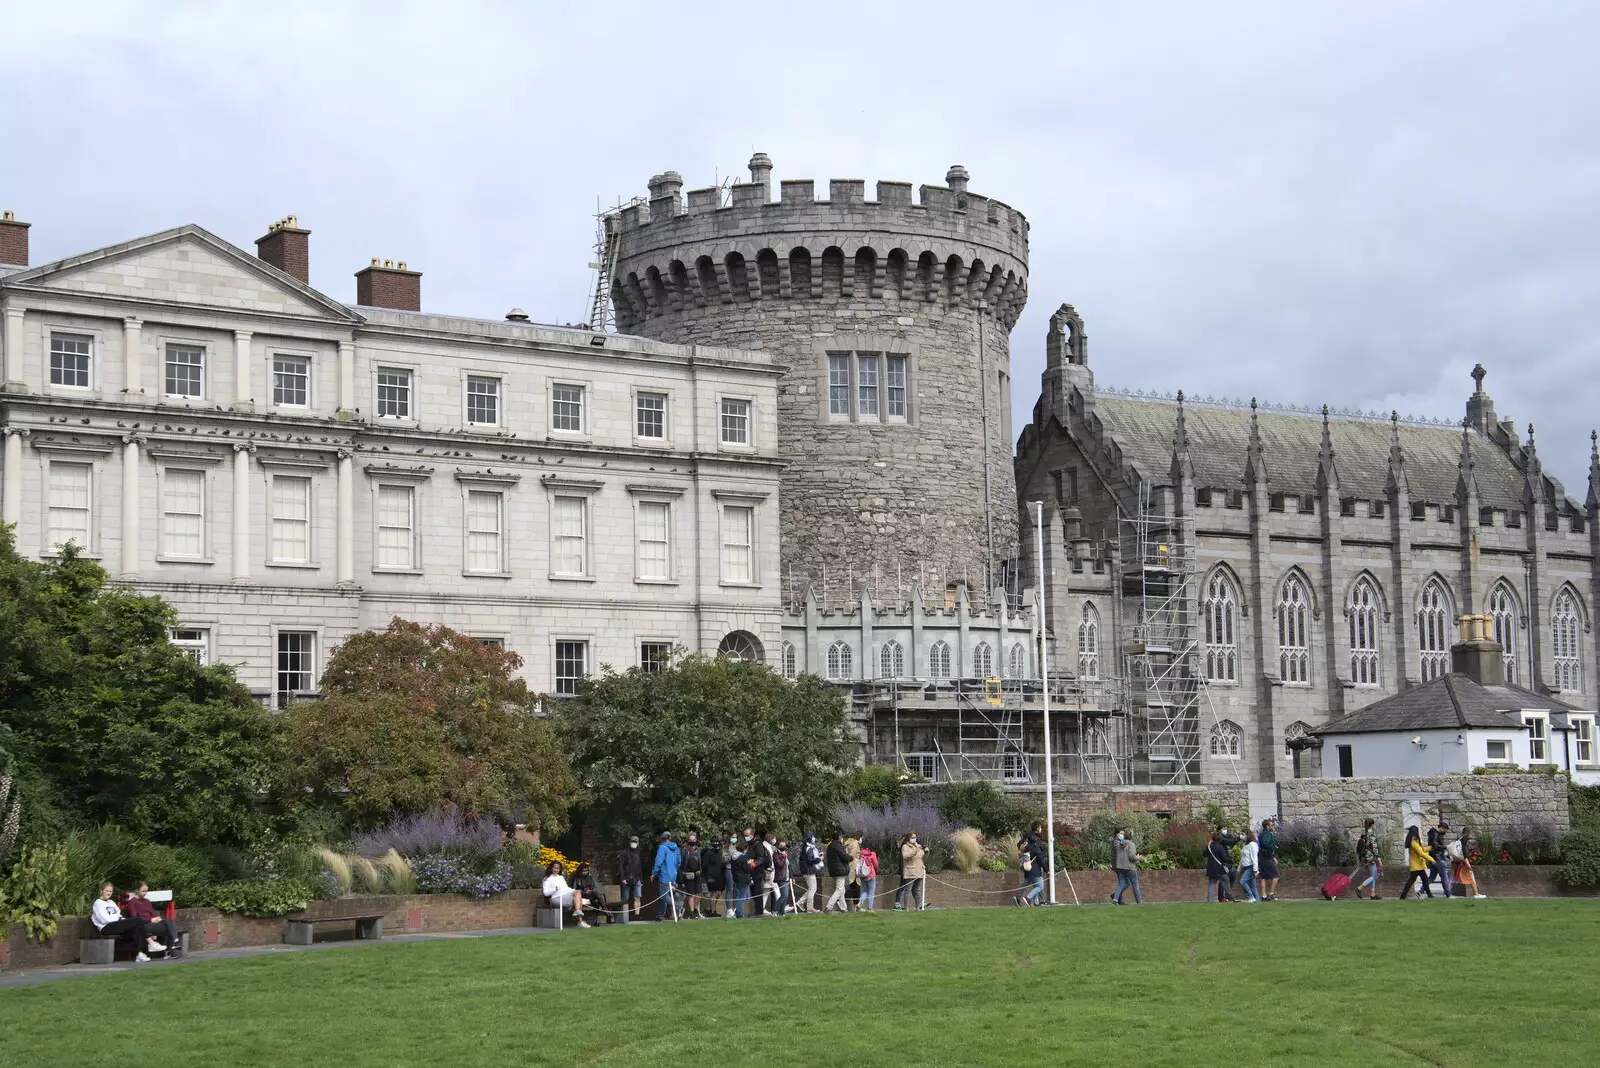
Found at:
[415, 717]
[110, 722]
[707, 744]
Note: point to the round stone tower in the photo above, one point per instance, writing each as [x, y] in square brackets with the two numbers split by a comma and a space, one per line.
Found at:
[894, 320]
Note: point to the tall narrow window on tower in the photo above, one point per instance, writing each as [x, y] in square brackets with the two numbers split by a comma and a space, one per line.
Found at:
[1503, 610]
[1433, 630]
[1565, 627]
[1363, 615]
[1089, 643]
[867, 386]
[1294, 650]
[838, 385]
[1221, 609]
[895, 383]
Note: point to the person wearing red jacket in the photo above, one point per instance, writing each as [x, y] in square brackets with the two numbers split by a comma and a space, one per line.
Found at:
[163, 930]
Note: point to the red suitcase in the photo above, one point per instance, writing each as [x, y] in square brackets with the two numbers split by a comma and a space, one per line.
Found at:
[1336, 885]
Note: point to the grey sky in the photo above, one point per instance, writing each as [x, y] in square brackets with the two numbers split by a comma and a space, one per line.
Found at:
[1349, 203]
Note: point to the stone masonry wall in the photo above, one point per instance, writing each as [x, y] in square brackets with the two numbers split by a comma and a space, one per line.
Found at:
[1492, 802]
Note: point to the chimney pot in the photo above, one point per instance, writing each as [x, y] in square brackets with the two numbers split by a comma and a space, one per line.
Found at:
[287, 247]
[13, 241]
[383, 284]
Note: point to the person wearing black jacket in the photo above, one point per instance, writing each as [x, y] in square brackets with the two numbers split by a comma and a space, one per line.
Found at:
[593, 897]
[1034, 857]
[1219, 865]
[630, 875]
[1228, 841]
[738, 879]
[714, 868]
[760, 864]
[837, 860]
[1438, 844]
[691, 876]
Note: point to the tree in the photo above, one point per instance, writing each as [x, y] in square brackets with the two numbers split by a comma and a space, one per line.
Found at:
[109, 722]
[416, 717]
[707, 744]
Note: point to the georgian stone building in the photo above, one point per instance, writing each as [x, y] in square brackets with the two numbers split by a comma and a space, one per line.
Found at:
[1330, 553]
[286, 469]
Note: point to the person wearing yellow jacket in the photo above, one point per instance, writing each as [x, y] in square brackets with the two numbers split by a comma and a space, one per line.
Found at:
[1419, 862]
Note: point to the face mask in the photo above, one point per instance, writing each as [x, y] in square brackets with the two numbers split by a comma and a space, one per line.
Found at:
[747, 838]
[1119, 837]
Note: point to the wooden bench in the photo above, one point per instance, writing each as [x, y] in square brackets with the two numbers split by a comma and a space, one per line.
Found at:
[298, 932]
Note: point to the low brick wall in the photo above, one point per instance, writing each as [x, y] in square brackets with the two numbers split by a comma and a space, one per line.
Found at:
[215, 929]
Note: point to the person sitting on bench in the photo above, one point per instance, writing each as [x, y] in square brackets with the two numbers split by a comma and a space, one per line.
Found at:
[141, 908]
[560, 895]
[594, 899]
[109, 921]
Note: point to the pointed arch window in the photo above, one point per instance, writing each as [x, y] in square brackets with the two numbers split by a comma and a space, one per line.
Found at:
[840, 665]
[1365, 660]
[939, 661]
[1433, 629]
[789, 660]
[1089, 643]
[1566, 641]
[1018, 666]
[1503, 613]
[891, 661]
[982, 660]
[1294, 646]
[1221, 611]
[1227, 740]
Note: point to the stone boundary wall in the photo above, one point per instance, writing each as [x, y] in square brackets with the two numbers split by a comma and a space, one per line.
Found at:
[1075, 804]
[1493, 802]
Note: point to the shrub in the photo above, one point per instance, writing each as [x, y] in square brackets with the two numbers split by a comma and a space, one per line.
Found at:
[1157, 861]
[262, 897]
[1529, 840]
[1581, 851]
[966, 846]
[442, 873]
[336, 867]
[1147, 829]
[364, 877]
[184, 870]
[95, 857]
[1071, 858]
[994, 862]
[879, 784]
[981, 804]
[527, 871]
[1310, 844]
[881, 828]
[1185, 843]
[32, 894]
[394, 872]
[1583, 801]
[442, 832]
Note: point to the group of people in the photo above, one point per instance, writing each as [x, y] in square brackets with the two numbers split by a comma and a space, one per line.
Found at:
[134, 923]
[1445, 858]
[755, 873]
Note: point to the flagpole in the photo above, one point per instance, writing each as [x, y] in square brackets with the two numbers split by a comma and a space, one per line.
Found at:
[1044, 696]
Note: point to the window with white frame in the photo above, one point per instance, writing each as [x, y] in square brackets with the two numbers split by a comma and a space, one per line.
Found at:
[650, 416]
[1433, 629]
[840, 663]
[839, 385]
[891, 660]
[493, 641]
[738, 543]
[1566, 643]
[1294, 648]
[291, 519]
[867, 387]
[485, 531]
[790, 661]
[1089, 642]
[183, 512]
[70, 504]
[1017, 665]
[297, 663]
[397, 527]
[566, 408]
[1497, 751]
[291, 381]
[70, 360]
[572, 664]
[939, 660]
[735, 421]
[195, 642]
[1582, 739]
[1014, 766]
[655, 541]
[483, 401]
[1363, 618]
[186, 368]
[394, 393]
[1503, 611]
[895, 387]
[924, 764]
[570, 523]
[1221, 612]
[1538, 725]
[1226, 740]
[982, 660]
[655, 657]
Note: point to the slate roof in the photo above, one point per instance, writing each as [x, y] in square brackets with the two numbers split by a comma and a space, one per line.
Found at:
[1450, 701]
[1219, 437]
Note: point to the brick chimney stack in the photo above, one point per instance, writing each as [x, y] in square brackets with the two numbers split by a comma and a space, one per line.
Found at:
[287, 247]
[1477, 655]
[13, 241]
[387, 284]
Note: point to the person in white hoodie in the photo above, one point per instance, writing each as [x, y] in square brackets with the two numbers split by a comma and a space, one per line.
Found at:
[110, 922]
[1249, 867]
[560, 895]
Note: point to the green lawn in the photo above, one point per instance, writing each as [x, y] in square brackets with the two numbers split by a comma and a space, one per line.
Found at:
[1430, 982]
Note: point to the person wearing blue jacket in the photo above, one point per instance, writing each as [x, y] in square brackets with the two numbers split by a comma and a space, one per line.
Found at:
[665, 871]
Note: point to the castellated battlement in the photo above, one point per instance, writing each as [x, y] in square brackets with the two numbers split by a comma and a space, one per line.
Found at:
[950, 249]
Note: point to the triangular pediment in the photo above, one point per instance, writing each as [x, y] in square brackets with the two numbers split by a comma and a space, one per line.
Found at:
[187, 265]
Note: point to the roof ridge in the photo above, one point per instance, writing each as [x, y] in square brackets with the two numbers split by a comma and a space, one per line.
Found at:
[1455, 700]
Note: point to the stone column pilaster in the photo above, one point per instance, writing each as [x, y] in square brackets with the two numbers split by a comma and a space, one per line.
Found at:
[132, 360]
[346, 552]
[243, 394]
[131, 506]
[241, 511]
[12, 380]
[11, 477]
[347, 379]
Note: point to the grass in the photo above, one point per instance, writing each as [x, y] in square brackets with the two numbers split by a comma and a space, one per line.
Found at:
[1431, 983]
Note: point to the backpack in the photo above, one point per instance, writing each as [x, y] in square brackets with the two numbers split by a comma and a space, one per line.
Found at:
[1027, 860]
[862, 869]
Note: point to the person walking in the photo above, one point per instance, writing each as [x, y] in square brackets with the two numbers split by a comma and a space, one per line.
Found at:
[913, 872]
[714, 865]
[630, 876]
[1460, 854]
[1228, 840]
[852, 892]
[769, 882]
[1438, 850]
[810, 867]
[1269, 859]
[1219, 862]
[1249, 867]
[665, 871]
[867, 869]
[739, 877]
[784, 887]
[1419, 863]
[837, 860]
[730, 860]
[1370, 858]
[1032, 859]
[760, 862]
[1125, 857]
[691, 876]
